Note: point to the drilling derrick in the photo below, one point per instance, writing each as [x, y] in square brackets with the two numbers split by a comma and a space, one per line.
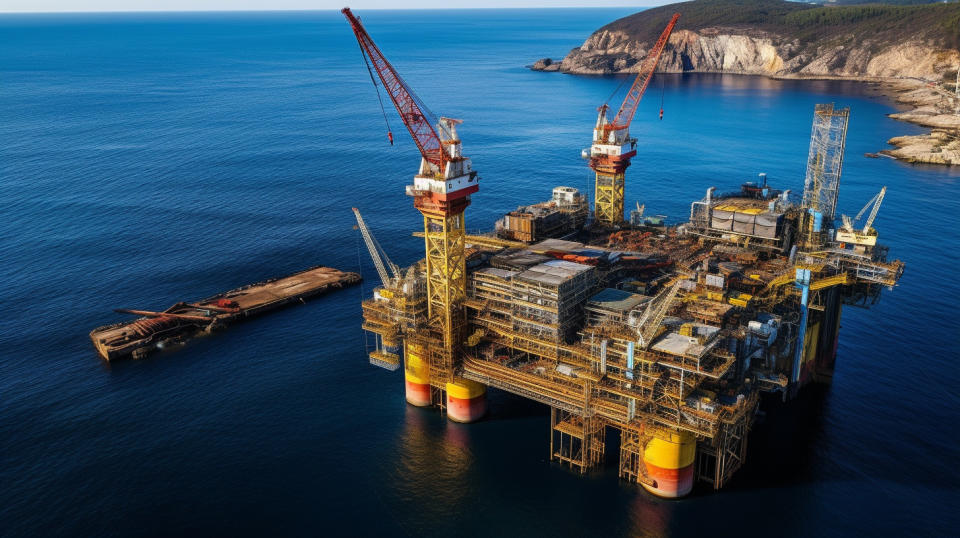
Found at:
[612, 146]
[441, 191]
[824, 164]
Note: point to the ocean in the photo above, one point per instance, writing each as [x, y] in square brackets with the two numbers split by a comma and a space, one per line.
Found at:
[151, 158]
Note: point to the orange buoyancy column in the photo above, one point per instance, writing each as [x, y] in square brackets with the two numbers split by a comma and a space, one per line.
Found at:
[466, 400]
[416, 374]
[669, 460]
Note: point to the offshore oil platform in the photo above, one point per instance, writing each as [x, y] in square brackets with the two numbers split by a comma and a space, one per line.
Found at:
[669, 334]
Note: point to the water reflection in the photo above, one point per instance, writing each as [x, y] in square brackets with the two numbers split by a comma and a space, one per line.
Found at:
[726, 81]
[432, 464]
[650, 516]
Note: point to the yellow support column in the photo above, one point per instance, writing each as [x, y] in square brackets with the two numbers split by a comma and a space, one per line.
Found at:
[466, 400]
[608, 199]
[416, 374]
[446, 274]
[669, 457]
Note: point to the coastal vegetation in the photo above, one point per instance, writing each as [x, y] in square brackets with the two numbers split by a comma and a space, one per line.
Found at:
[937, 24]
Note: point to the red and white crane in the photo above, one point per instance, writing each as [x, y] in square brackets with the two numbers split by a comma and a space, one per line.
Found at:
[612, 146]
[441, 190]
[445, 178]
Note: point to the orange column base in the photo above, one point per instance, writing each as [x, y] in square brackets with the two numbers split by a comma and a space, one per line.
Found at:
[470, 410]
[669, 457]
[466, 400]
[418, 394]
[670, 483]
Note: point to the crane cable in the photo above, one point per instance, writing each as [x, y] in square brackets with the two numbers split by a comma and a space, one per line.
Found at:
[376, 87]
[618, 88]
[627, 79]
[661, 98]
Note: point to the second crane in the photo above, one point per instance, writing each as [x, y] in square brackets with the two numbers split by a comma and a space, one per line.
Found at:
[613, 147]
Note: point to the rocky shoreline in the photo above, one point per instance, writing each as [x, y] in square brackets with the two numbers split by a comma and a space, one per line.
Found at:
[933, 107]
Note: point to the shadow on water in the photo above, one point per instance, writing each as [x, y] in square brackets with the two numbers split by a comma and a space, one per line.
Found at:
[503, 406]
[780, 451]
[444, 467]
[781, 448]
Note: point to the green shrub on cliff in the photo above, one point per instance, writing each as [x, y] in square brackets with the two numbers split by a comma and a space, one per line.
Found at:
[937, 24]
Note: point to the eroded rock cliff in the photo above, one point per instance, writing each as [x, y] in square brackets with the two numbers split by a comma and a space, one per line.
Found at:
[778, 38]
[726, 50]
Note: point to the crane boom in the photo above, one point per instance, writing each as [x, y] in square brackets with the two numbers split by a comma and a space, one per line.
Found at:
[379, 256]
[872, 202]
[630, 103]
[420, 122]
[864, 238]
[865, 207]
[653, 317]
[873, 212]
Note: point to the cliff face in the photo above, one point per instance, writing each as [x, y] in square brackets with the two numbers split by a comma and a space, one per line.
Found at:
[731, 50]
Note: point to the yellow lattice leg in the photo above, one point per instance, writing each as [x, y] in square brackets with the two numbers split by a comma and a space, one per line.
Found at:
[446, 274]
[608, 198]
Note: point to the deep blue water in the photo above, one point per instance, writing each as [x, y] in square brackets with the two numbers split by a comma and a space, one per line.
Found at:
[146, 159]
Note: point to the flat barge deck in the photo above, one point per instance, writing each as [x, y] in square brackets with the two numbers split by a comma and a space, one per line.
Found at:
[154, 331]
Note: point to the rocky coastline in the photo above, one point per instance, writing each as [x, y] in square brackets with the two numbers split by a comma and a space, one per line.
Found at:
[934, 108]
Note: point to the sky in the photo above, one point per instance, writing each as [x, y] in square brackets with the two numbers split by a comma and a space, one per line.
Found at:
[244, 5]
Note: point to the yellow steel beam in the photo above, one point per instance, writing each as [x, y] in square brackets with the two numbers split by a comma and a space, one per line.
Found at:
[486, 241]
[837, 280]
[608, 199]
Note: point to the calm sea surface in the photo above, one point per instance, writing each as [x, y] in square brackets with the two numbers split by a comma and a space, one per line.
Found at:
[146, 159]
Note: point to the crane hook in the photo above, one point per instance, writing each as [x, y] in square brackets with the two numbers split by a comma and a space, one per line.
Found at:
[661, 98]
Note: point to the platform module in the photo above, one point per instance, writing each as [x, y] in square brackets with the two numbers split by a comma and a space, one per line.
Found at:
[668, 334]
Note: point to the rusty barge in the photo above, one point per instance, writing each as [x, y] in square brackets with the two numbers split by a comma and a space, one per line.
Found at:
[154, 331]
